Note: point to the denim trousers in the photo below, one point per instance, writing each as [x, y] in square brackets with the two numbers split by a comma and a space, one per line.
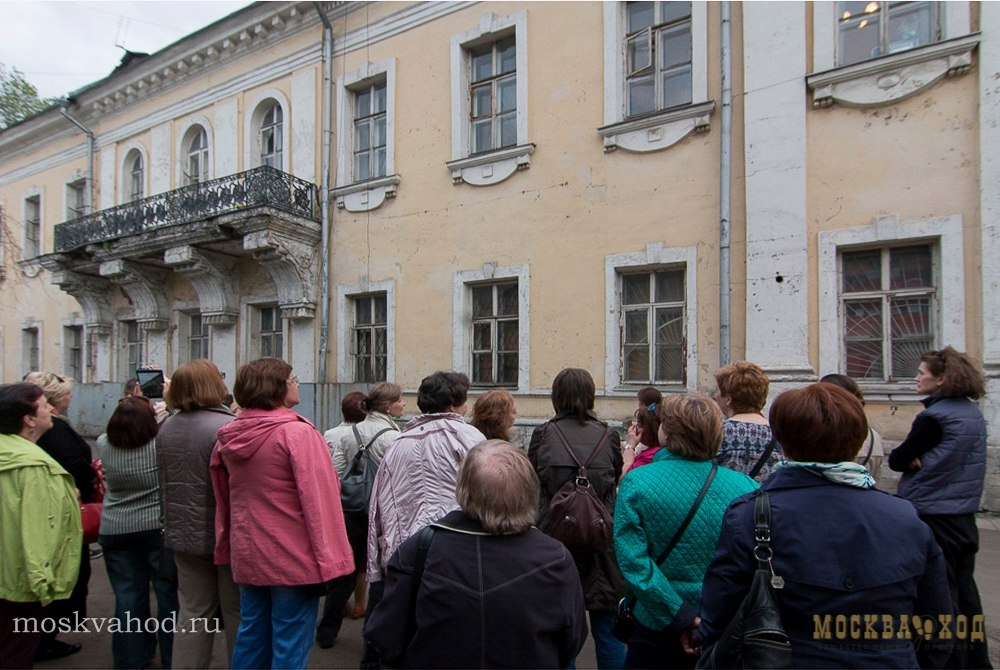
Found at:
[609, 650]
[134, 561]
[276, 627]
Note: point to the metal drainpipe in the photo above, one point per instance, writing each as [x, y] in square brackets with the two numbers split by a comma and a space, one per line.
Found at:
[725, 176]
[89, 193]
[324, 306]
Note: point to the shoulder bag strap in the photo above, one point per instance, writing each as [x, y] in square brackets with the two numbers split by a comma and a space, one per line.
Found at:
[565, 443]
[372, 441]
[631, 599]
[593, 453]
[762, 529]
[690, 516]
[871, 445]
[759, 465]
[357, 436]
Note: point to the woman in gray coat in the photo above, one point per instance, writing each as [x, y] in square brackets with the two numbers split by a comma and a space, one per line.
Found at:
[184, 447]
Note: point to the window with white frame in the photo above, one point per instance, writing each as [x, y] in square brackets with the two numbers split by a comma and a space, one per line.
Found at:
[490, 100]
[270, 335]
[493, 92]
[867, 30]
[369, 337]
[196, 156]
[887, 298]
[370, 132]
[73, 352]
[656, 74]
[136, 172]
[657, 56]
[495, 334]
[197, 339]
[653, 341]
[133, 347]
[272, 137]
[29, 348]
[32, 226]
[76, 199]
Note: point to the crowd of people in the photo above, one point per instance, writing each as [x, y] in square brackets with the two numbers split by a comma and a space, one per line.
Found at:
[236, 509]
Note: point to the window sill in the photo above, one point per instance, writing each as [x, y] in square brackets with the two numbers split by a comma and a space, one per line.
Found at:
[491, 168]
[658, 131]
[365, 196]
[894, 77]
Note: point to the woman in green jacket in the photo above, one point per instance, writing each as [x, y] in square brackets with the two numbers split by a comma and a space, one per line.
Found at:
[653, 502]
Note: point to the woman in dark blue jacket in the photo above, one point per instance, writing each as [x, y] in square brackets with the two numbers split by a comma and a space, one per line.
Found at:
[857, 563]
[943, 461]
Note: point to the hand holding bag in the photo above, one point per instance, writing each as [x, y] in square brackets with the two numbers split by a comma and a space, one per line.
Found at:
[755, 638]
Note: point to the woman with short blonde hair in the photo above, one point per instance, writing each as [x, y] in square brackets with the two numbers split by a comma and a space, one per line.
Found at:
[747, 442]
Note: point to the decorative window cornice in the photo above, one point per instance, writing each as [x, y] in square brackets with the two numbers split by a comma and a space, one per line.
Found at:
[894, 77]
[657, 131]
[491, 168]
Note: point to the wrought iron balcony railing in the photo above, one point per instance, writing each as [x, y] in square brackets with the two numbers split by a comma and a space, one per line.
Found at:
[262, 186]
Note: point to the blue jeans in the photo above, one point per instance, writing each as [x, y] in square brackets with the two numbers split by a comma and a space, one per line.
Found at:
[133, 561]
[610, 651]
[276, 627]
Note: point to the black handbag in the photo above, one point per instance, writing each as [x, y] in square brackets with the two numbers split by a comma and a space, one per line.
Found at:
[755, 638]
[625, 621]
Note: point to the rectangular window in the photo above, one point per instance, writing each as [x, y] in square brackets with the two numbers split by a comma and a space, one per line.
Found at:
[271, 339]
[73, 352]
[133, 348]
[76, 205]
[369, 336]
[29, 347]
[652, 327]
[493, 95]
[495, 334]
[868, 30]
[197, 338]
[370, 132]
[32, 226]
[888, 310]
[657, 56]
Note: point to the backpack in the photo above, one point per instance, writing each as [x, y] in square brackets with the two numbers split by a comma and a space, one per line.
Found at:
[576, 515]
[356, 482]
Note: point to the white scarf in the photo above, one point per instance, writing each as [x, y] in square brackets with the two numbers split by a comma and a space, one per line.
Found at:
[846, 472]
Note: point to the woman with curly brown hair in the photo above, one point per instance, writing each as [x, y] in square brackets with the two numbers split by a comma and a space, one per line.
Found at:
[943, 461]
[747, 443]
[494, 414]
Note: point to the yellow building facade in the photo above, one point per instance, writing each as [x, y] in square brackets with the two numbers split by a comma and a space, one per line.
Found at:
[644, 190]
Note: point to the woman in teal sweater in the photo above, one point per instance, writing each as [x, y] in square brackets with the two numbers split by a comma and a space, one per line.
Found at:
[653, 502]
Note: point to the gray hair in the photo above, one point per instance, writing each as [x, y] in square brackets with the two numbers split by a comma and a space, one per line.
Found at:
[498, 487]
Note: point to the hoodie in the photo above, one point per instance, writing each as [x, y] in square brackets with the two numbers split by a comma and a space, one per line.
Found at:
[278, 520]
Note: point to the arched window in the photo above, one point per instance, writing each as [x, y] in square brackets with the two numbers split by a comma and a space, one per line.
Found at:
[196, 156]
[272, 137]
[136, 176]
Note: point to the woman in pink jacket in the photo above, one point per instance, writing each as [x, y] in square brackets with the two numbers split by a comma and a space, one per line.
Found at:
[278, 520]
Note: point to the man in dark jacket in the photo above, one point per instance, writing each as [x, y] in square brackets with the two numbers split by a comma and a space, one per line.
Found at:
[490, 590]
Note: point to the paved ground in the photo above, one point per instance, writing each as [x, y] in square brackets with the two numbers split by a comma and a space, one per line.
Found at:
[347, 652]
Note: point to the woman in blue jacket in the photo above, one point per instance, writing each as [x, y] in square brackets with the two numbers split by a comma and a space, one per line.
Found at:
[943, 461]
[858, 564]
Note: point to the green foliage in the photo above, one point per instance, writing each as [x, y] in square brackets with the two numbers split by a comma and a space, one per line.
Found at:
[18, 98]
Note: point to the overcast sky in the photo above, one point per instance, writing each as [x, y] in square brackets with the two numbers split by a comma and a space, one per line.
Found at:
[63, 46]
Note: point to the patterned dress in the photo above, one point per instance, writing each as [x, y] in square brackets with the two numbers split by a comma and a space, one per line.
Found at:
[743, 443]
